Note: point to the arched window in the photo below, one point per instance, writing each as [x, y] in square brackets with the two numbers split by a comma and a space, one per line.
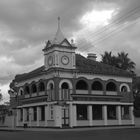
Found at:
[124, 89]
[97, 86]
[64, 86]
[27, 90]
[111, 87]
[41, 86]
[34, 88]
[21, 92]
[51, 86]
[81, 85]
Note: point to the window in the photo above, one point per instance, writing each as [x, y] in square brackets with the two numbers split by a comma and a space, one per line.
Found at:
[34, 113]
[81, 112]
[42, 109]
[51, 112]
[27, 114]
[81, 85]
[125, 112]
[123, 89]
[27, 90]
[97, 86]
[111, 87]
[41, 86]
[21, 114]
[97, 112]
[34, 89]
[111, 112]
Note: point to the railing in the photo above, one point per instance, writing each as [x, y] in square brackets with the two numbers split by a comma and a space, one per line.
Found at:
[111, 92]
[64, 94]
[81, 91]
[61, 95]
[51, 95]
[96, 92]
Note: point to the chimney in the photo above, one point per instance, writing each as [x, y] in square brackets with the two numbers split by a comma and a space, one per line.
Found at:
[92, 56]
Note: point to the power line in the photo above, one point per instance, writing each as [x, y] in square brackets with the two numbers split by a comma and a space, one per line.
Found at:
[118, 21]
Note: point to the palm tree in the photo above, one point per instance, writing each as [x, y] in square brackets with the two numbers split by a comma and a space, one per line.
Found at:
[107, 58]
[121, 61]
[125, 63]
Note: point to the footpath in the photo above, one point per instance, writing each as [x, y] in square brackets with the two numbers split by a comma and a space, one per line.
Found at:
[67, 129]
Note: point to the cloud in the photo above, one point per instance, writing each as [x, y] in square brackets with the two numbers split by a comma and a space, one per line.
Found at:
[25, 25]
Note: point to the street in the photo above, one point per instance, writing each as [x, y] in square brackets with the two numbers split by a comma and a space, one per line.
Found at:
[108, 134]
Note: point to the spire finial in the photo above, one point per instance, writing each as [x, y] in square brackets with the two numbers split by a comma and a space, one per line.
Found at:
[58, 22]
[59, 37]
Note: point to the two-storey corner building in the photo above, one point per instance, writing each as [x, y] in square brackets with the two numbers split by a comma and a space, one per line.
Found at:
[71, 90]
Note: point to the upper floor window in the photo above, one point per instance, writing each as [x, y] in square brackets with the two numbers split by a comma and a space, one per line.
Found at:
[124, 89]
[65, 86]
[41, 86]
[34, 88]
[97, 86]
[111, 86]
[81, 85]
[27, 90]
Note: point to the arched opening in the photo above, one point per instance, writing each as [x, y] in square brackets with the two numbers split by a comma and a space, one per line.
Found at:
[65, 92]
[34, 88]
[27, 90]
[41, 86]
[51, 95]
[124, 89]
[21, 92]
[51, 86]
[81, 85]
[97, 86]
[111, 86]
[65, 86]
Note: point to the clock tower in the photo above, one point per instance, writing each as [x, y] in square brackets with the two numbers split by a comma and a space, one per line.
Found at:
[59, 53]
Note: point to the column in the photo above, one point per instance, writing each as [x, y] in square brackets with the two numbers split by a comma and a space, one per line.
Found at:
[119, 115]
[38, 115]
[58, 115]
[90, 115]
[24, 115]
[131, 108]
[74, 115]
[71, 115]
[46, 114]
[30, 116]
[18, 117]
[105, 114]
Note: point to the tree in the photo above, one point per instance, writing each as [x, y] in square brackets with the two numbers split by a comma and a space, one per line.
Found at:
[0, 95]
[125, 63]
[107, 58]
[121, 61]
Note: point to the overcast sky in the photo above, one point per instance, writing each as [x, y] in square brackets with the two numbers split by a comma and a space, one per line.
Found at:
[95, 25]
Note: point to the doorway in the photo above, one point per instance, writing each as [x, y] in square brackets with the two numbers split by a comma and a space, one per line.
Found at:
[65, 116]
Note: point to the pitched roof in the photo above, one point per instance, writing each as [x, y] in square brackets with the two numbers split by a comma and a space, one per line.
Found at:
[83, 65]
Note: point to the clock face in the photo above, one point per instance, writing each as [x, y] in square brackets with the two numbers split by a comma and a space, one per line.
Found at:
[65, 60]
[50, 60]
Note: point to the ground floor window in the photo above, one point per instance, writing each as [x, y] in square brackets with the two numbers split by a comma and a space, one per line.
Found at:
[81, 112]
[97, 112]
[42, 109]
[111, 112]
[125, 112]
[21, 114]
[27, 111]
[51, 112]
[34, 113]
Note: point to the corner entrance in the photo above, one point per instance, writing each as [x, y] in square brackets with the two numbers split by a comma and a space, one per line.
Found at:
[65, 116]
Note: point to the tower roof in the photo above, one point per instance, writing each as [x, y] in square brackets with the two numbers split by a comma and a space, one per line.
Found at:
[59, 37]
